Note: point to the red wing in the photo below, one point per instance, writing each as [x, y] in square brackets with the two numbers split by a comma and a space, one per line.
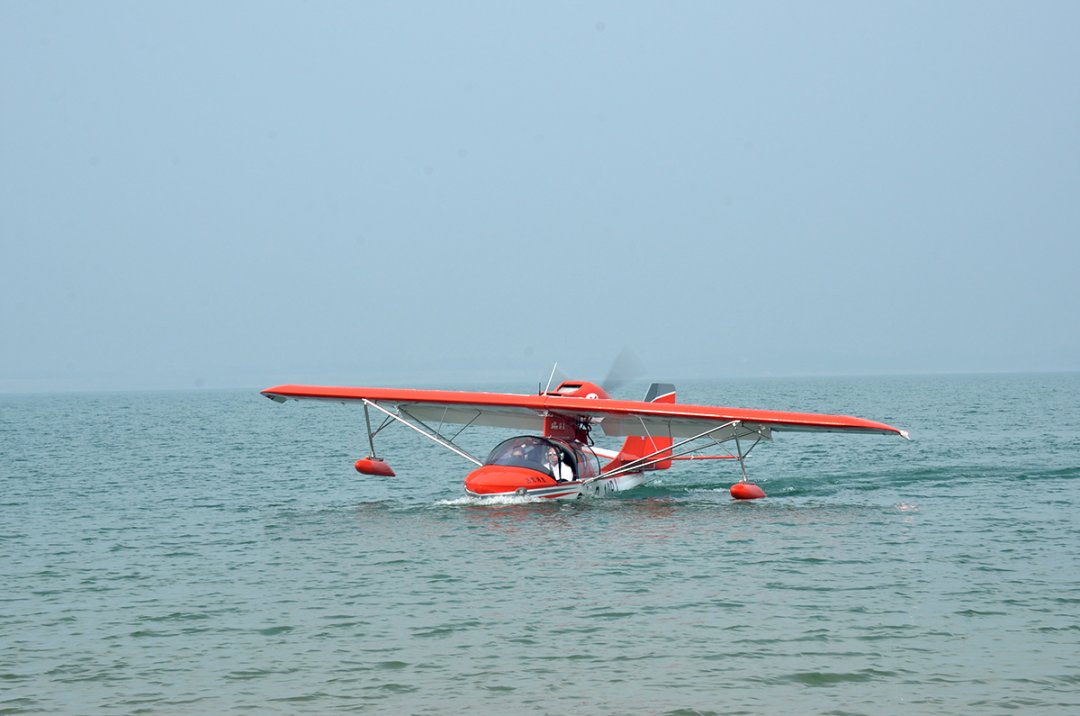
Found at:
[615, 417]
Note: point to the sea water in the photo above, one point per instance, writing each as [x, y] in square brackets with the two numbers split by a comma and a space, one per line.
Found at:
[214, 552]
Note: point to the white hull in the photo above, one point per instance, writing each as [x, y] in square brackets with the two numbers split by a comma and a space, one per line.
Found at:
[604, 487]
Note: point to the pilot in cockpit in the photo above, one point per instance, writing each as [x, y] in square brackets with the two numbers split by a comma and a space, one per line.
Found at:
[524, 453]
[559, 469]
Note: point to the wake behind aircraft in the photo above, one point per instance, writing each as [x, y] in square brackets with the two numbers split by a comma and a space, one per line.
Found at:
[558, 459]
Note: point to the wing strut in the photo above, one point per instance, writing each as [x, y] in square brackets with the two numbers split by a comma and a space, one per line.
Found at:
[432, 436]
[743, 455]
[667, 453]
[370, 435]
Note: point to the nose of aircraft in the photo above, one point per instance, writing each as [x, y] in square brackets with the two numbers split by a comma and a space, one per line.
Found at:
[502, 479]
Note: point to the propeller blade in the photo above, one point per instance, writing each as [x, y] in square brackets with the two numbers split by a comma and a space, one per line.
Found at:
[626, 368]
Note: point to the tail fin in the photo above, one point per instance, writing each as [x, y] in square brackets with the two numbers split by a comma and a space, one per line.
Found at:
[639, 446]
[660, 393]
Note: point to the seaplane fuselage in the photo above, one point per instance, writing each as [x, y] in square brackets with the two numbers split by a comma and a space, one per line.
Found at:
[546, 467]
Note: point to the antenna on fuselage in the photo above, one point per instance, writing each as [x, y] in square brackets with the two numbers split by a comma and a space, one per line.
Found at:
[553, 369]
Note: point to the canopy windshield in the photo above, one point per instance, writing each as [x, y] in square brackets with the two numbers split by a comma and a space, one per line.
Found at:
[527, 451]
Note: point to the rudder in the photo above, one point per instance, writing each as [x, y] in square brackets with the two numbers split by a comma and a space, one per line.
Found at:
[638, 446]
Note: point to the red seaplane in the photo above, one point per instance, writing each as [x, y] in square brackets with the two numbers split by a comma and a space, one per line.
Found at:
[562, 462]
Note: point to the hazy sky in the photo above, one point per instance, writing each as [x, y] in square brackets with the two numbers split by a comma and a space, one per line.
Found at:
[244, 194]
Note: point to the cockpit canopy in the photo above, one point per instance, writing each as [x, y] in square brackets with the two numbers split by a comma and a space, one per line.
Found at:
[531, 452]
[528, 451]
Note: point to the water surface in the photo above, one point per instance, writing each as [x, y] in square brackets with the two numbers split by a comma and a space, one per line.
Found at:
[214, 552]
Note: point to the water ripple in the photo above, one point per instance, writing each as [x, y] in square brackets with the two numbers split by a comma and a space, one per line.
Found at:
[214, 553]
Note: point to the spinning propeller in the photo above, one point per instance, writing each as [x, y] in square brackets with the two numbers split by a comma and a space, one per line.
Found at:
[624, 369]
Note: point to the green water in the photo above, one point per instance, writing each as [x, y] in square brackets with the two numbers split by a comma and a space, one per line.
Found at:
[214, 552]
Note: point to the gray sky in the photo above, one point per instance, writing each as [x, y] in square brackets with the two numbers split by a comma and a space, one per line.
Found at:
[243, 194]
